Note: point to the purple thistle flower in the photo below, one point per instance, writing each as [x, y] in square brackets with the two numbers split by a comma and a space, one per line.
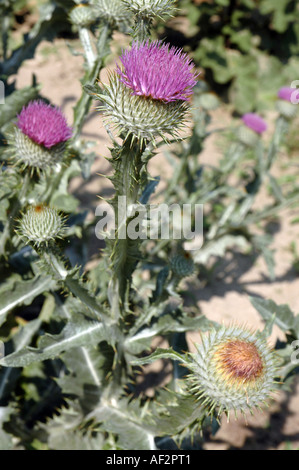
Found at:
[157, 71]
[287, 93]
[254, 122]
[44, 124]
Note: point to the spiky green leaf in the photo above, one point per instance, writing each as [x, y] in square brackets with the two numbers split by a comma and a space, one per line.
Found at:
[16, 291]
[78, 332]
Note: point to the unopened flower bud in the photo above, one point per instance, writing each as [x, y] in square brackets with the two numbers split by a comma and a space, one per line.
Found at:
[115, 13]
[150, 9]
[182, 265]
[41, 224]
[82, 15]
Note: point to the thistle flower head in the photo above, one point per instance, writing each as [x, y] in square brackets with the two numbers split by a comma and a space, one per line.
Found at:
[287, 101]
[44, 124]
[157, 71]
[40, 224]
[255, 122]
[146, 119]
[39, 138]
[233, 369]
[287, 93]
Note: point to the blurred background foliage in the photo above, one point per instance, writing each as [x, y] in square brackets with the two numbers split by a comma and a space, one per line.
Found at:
[246, 49]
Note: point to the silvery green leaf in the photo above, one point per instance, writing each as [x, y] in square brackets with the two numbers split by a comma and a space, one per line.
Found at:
[22, 338]
[6, 442]
[165, 324]
[65, 431]
[284, 317]
[62, 199]
[126, 420]
[219, 247]
[76, 333]
[16, 291]
[160, 353]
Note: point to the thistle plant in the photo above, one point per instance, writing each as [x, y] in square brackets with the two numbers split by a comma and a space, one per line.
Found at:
[144, 100]
[77, 336]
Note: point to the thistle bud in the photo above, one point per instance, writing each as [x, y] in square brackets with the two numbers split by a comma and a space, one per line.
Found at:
[41, 224]
[40, 136]
[82, 15]
[151, 9]
[182, 265]
[115, 13]
[233, 369]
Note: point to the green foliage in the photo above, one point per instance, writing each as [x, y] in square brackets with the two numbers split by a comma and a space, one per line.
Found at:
[246, 49]
[75, 334]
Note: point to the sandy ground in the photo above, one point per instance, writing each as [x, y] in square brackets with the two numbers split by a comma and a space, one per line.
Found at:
[225, 298]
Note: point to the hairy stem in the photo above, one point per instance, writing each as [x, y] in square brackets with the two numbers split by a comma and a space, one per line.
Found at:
[95, 64]
[88, 49]
[129, 181]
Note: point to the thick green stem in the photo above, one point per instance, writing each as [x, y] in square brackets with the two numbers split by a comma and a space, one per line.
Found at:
[129, 181]
[82, 107]
[88, 50]
[279, 133]
[142, 29]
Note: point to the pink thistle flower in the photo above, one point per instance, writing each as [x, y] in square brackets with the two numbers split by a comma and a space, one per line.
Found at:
[287, 93]
[154, 70]
[44, 124]
[254, 122]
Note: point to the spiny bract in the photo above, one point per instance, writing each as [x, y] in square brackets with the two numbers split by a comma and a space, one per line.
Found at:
[182, 265]
[82, 15]
[151, 9]
[30, 154]
[113, 12]
[40, 224]
[143, 117]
